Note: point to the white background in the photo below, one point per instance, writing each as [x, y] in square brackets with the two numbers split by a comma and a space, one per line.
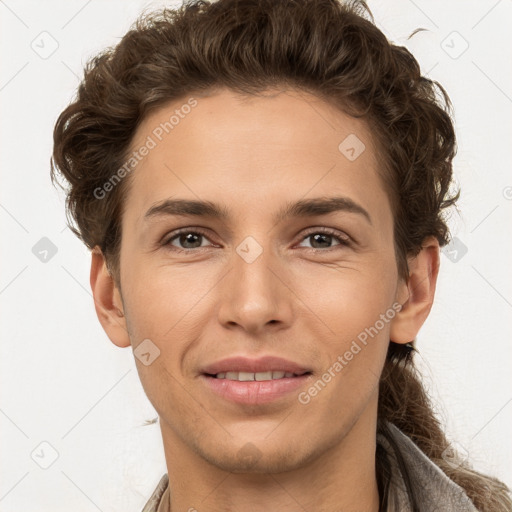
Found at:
[63, 382]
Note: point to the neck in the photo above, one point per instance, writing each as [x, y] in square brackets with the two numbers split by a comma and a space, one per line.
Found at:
[341, 478]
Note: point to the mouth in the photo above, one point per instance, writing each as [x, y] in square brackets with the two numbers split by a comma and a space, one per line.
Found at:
[255, 381]
[255, 388]
[247, 369]
[256, 376]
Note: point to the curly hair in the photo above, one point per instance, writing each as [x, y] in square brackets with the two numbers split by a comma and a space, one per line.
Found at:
[327, 48]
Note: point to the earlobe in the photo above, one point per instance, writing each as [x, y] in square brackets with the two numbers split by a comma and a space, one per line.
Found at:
[107, 301]
[417, 295]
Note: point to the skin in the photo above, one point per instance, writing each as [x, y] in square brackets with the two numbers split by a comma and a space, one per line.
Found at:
[301, 300]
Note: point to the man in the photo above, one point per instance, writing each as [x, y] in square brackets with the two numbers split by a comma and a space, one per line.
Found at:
[261, 184]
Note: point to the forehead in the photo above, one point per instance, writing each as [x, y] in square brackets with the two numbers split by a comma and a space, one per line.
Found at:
[249, 151]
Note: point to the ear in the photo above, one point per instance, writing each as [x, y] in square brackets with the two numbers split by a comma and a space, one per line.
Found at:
[417, 294]
[107, 301]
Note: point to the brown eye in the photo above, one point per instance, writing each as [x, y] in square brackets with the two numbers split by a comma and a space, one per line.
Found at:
[186, 240]
[190, 240]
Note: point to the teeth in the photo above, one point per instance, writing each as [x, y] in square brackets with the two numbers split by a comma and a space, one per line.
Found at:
[263, 376]
[248, 376]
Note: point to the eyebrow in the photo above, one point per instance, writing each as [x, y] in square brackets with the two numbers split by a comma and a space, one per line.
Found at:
[301, 208]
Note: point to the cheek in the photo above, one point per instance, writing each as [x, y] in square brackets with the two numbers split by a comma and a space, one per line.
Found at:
[359, 314]
[357, 308]
[160, 300]
[349, 300]
[163, 306]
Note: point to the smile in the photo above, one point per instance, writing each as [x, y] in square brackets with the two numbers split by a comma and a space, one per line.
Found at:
[259, 376]
[254, 381]
[246, 388]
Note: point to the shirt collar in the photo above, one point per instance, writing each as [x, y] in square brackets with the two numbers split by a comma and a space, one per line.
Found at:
[434, 489]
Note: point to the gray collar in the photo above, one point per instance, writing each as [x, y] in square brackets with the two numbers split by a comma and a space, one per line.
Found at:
[435, 491]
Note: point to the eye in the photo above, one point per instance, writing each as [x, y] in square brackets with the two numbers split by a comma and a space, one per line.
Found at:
[323, 238]
[186, 239]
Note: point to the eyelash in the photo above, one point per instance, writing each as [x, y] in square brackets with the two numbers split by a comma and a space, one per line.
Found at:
[344, 240]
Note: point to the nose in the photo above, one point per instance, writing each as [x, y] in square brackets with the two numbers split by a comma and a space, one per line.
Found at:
[255, 293]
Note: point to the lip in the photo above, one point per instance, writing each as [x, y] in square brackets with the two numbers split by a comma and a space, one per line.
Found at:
[261, 364]
[255, 392]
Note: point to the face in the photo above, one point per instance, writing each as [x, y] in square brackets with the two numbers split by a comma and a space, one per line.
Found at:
[284, 264]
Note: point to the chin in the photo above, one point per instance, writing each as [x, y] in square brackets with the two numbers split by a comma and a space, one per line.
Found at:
[266, 463]
[257, 459]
